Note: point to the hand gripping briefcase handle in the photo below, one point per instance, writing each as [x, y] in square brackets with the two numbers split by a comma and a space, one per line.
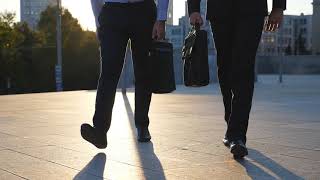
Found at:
[195, 58]
[162, 69]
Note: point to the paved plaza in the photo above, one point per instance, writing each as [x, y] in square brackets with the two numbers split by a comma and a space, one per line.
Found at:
[40, 136]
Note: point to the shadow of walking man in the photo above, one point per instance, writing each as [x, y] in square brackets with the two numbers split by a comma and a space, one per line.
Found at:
[259, 166]
[94, 169]
[152, 167]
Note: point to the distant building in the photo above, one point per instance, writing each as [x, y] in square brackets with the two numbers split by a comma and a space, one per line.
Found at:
[30, 10]
[293, 38]
[170, 13]
[316, 27]
[174, 35]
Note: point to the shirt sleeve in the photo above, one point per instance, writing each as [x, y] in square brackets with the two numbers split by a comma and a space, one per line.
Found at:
[96, 8]
[162, 10]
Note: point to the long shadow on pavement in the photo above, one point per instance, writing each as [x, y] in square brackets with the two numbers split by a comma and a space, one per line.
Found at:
[262, 167]
[148, 159]
[94, 169]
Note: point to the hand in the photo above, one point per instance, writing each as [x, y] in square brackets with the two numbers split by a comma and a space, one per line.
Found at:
[274, 20]
[195, 18]
[159, 30]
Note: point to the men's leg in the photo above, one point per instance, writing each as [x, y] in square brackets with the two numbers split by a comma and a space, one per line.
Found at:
[247, 34]
[222, 33]
[113, 38]
[143, 18]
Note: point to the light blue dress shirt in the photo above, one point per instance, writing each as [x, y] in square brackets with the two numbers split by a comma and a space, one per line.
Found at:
[161, 12]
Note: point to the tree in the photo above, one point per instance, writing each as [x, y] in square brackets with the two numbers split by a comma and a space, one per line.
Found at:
[71, 29]
[28, 57]
[80, 49]
[32, 40]
[10, 40]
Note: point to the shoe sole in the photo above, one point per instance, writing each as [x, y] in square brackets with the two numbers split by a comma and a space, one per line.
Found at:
[226, 143]
[239, 152]
[99, 146]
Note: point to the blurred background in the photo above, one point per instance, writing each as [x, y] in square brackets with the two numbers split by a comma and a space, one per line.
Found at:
[51, 45]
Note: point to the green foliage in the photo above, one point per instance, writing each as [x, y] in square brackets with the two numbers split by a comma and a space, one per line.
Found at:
[10, 40]
[28, 57]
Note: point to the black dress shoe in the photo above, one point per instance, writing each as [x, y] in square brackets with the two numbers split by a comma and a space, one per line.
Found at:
[238, 149]
[91, 135]
[143, 134]
[226, 142]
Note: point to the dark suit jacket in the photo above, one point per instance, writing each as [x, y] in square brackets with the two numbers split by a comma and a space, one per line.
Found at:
[222, 8]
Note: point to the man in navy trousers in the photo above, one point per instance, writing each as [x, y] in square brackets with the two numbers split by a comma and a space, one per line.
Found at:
[237, 26]
[117, 22]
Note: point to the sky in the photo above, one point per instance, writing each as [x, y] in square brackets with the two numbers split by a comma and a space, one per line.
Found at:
[82, 9]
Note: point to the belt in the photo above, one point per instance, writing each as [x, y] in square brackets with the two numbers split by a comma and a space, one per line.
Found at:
[119, 4]
[135, 1]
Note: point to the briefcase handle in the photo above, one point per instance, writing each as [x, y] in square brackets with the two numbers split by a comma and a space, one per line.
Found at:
[196, 27]
[163, 40]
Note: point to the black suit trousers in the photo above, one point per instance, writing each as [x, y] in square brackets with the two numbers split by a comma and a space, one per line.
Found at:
[237, 39]
[119, 23]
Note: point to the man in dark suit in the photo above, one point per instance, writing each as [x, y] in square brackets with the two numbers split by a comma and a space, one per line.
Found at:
[237, 26]
[117, 22]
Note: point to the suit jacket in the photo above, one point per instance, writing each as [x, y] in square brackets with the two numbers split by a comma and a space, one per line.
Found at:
[224, 8]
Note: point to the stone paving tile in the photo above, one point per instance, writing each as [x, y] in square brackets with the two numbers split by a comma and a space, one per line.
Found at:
[275, 149]
[305, 126]
[313, 155]
[34, 168]
[40, 138]
[288, 167]
[18, 142]
[296, 141]
[5, 175]
[132, 163]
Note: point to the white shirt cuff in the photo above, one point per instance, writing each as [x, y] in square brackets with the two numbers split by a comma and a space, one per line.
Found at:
[97, 7]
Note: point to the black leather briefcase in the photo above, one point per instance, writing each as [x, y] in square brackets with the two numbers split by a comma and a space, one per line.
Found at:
[195, 58]
[162, 68]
